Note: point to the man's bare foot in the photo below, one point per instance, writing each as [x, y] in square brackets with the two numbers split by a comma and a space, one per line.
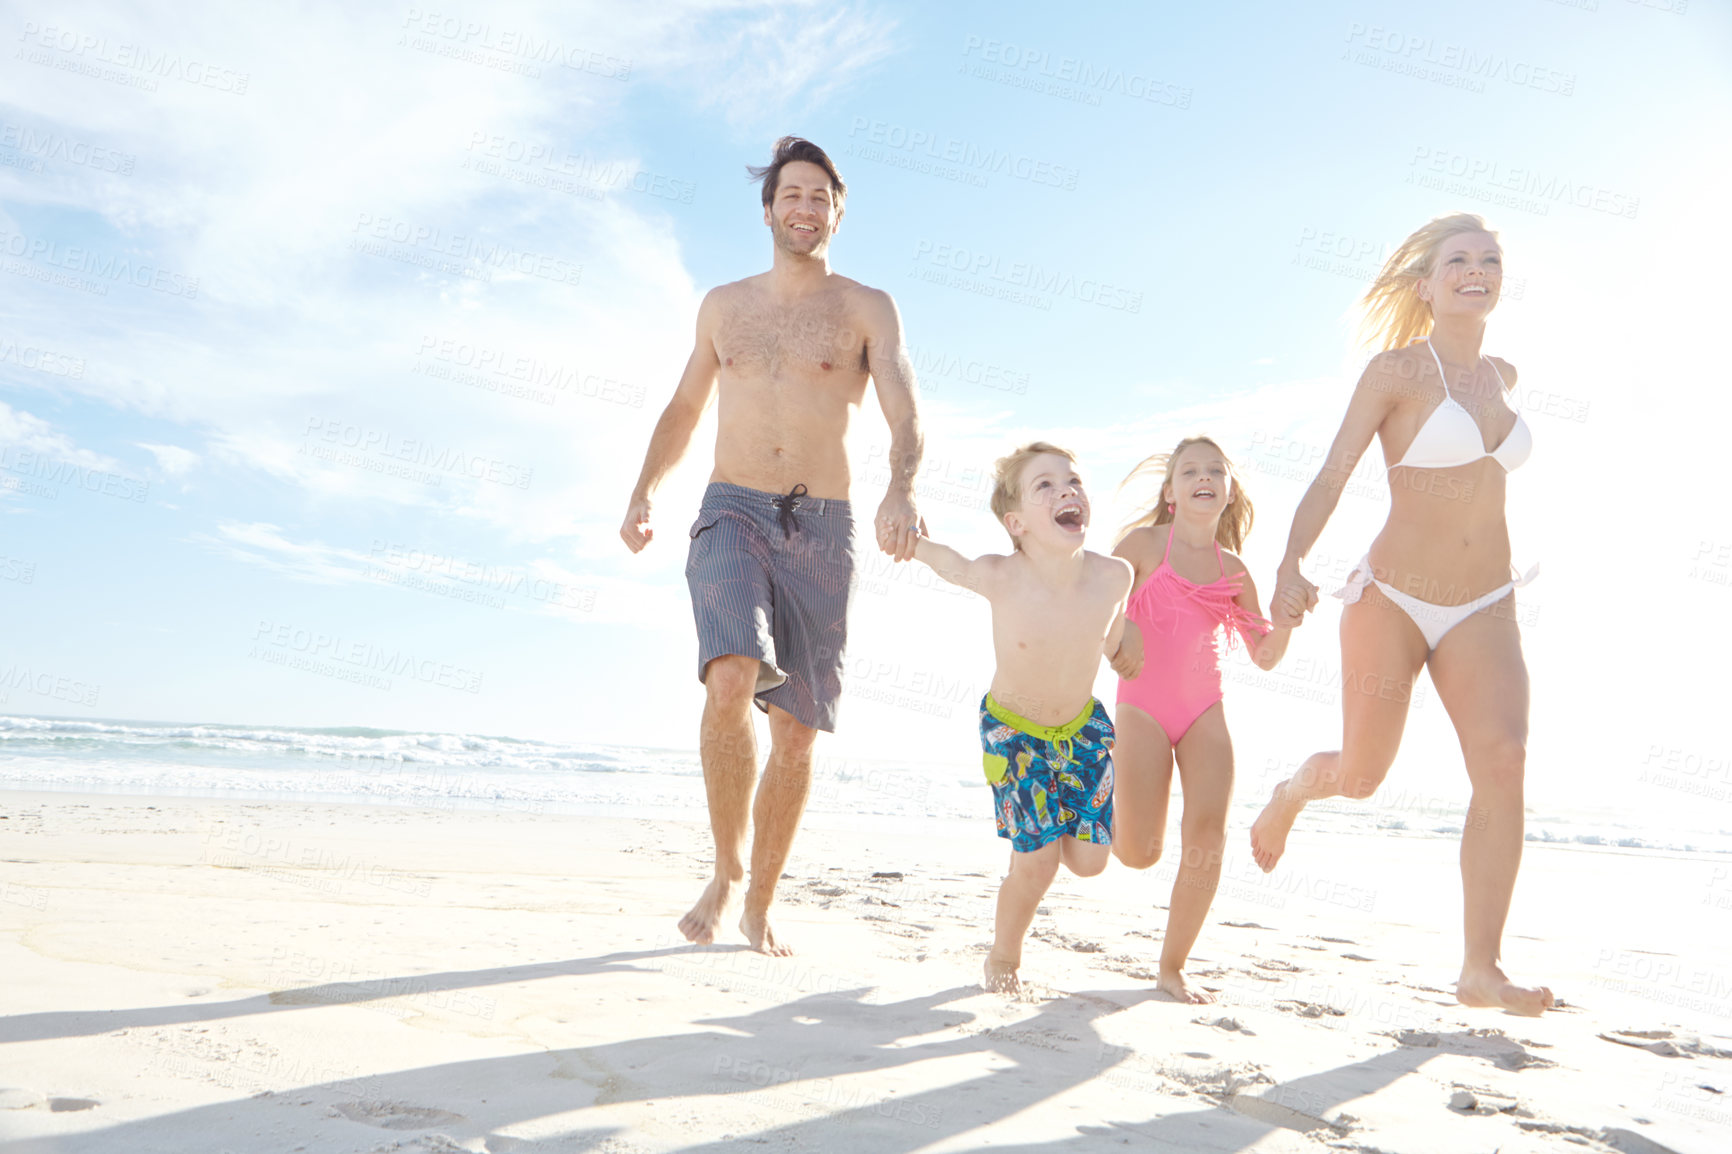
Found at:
[1269, 831]
[1000, 977]
[1173, 982]
[1491, 987]
[756, 927]
[699, 924]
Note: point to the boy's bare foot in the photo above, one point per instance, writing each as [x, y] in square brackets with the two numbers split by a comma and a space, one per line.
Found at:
[1269, 831]
[1000, 977]
[1174, 983]
[1490, 986]
[699, 924]
[756, 927]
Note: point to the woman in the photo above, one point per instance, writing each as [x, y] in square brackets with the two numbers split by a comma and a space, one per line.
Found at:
[1435, 589]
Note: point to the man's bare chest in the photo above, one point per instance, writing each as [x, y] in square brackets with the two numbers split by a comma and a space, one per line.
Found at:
[804, 341]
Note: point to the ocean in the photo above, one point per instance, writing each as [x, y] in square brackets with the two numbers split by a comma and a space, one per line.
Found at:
[459, 770]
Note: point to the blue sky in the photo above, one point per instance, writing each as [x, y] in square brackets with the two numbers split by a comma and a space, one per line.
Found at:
[345, 332]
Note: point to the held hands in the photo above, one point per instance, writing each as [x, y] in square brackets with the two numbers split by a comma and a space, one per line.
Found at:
[1128, 661]
[1294, 597]
[898, 525]
[636, 531]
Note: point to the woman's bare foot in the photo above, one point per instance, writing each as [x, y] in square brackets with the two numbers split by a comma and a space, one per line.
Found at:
[1490, 986]
[1000, 977]
[756, 927]
[1269, 831]
[699, 924]
[1174, 983]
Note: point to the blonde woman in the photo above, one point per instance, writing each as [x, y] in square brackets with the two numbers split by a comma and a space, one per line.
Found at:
[1435, 588]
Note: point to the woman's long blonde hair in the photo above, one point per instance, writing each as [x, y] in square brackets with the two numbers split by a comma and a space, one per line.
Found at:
[1235, 523]
[1391, 314]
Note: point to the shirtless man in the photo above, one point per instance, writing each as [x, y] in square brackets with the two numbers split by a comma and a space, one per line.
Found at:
[771, 566]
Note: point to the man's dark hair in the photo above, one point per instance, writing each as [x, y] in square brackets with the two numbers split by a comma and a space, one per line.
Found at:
[788, 150]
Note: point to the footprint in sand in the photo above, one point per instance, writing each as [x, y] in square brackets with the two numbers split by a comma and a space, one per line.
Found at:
[1277, 964]
[1665, 1043]
[397, 1115]
[1309, 1009]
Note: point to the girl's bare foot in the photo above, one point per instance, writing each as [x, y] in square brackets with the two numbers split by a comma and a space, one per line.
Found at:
[1000, 977]
[1269, 831]
[1490, 986]
[699, 924]
[756, 927]
[1174, 983]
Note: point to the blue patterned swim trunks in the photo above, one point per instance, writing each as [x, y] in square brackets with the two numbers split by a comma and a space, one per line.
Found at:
[1048, 781]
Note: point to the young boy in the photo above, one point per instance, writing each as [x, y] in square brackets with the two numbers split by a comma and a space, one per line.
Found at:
[1056, 609]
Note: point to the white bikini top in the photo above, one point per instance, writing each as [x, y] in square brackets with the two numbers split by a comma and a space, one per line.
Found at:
[1450, 437]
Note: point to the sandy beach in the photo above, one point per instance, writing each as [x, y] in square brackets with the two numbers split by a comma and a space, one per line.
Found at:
[208, 975]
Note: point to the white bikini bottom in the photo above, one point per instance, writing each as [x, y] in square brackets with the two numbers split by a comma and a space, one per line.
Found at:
[1433, 620]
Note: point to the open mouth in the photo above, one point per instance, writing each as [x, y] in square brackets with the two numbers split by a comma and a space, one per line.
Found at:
[1472, 290]
[1203, 494]
[803, 228]
[1069, 517]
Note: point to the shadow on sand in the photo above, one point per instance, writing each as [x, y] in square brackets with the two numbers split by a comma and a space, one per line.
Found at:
[789, 1055]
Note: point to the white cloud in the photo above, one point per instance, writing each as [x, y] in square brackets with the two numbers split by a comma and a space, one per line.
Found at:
[171, 459]
[31, 434]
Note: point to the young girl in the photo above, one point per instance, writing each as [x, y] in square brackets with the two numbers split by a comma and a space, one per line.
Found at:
[1186, 589]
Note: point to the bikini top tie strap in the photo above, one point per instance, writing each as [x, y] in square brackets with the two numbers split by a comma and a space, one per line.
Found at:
[1441, 374]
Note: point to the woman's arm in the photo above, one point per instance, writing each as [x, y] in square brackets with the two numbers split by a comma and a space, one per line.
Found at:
[1373, 398]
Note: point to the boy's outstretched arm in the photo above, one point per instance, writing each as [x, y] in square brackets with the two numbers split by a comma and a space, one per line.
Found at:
[1123, 647]
[975, 575]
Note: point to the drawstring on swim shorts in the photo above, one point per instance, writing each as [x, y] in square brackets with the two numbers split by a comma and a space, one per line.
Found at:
[785, 507]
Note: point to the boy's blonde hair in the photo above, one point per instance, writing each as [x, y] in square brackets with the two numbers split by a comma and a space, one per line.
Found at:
[1007, 478]
[1235, 523]
[1391, 314]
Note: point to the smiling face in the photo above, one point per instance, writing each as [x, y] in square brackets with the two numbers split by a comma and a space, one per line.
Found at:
[1199, 483]
[1051, 506]
[1466, 277]
[803, 214]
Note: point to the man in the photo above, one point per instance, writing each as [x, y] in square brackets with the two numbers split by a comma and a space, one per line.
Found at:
[771, 566]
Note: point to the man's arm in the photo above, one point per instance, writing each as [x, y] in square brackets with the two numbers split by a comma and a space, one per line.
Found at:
[898, 522]
[673, 432]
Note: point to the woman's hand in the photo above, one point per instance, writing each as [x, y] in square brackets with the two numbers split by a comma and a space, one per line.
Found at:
[1294, 597]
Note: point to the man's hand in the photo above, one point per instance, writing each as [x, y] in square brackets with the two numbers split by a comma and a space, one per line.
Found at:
[1127, 662]
[1294, 597]
[636, 531]
[898, 525]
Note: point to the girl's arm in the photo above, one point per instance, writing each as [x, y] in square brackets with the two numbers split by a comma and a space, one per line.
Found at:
[1268, 649]
[1374, 397]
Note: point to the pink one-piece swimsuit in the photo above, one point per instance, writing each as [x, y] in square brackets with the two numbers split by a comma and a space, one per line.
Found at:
[1181, 675]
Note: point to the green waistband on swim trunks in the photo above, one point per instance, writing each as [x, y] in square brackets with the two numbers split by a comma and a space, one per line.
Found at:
[1051, 734]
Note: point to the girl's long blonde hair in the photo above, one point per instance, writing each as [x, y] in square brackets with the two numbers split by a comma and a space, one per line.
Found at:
[1235, 523]
[1391, 314]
